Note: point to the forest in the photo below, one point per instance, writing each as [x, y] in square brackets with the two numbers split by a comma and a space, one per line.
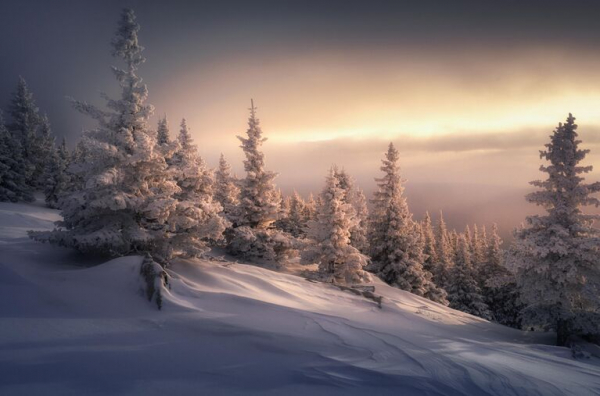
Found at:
[131, 188]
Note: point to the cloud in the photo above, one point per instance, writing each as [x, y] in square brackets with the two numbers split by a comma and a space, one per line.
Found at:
[494, 141]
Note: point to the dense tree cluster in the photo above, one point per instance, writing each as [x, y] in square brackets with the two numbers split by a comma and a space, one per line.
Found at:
[129, 189]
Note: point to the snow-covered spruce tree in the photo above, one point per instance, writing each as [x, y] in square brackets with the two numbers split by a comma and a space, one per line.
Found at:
[252, 236]
[126, 195]
[558, 254]
[394, 238]
[338, 260]
[469, 240]
[24, 123]
[445, 254]
[13, 185]
[358, 202]
[162, 132]
[483, 240]
[297, 216]
[284, 206]
[294, 221]
[190, 171]
[196, 220]
[259, 201]
[310, 209]
[463, 292]
[56, 178]
[226, 192]
[43, 150]
[78, 159]
[477, 245]
[498, 284]
[478, 252]
[358, 235]
[431, 259]
[454, 241]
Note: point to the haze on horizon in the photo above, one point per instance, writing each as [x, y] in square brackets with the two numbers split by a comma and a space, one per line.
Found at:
[468, 91]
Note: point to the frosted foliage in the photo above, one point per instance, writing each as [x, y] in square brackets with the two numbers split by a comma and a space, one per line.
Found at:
[477, 246]
[126, 194]
[193, 177]
[358, 235]
[43, 149]
[338, 260]
[310, 209]
[226, 192]
[56, 179]
[259, 201]
[162, 132]
[25, 121]
[295, 220]
[394, 238]
[261, 245]
[356, 198]
[13, 185]
[430, 256]
[557, 253]
[498, 284]
[463, 292]
[196, 219]
[444, 252]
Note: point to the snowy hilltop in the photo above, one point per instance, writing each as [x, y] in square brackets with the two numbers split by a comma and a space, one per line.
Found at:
[72, 325]
[129, 266]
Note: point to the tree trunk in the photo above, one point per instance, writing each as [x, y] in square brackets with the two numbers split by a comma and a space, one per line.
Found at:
[562, 332]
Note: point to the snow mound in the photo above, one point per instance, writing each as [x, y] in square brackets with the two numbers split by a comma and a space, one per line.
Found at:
[70, 327]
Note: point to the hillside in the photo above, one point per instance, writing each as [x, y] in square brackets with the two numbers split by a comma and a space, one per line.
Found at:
[74, 325]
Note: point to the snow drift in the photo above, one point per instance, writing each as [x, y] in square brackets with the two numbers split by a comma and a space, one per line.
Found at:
[71, 325]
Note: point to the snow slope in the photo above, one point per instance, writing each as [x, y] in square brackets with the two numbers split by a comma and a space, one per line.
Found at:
[74, 325]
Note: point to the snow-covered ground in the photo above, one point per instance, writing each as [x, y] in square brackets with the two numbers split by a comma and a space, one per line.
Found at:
[71, 325]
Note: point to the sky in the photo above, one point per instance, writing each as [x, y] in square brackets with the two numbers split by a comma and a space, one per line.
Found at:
[469, 91]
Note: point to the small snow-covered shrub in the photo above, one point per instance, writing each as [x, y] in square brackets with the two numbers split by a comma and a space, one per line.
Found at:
[154, 278]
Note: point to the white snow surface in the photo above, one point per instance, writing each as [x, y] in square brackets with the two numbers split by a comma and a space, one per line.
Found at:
[71, 325]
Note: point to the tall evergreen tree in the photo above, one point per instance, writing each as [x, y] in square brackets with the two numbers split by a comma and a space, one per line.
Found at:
[13, 185]
[444, 252]
[310, 209]
[126, 196]
[358, 235]
[56, 178]
[469, 240]
[191, 173]
[498, 285]
[431, 259]
[226, 191]
[162, 131]
[43, 151]
[25, 121]
[483, 239]
[558, 253]
[478, 247]
[394, 238]
[355, 197]
[196, 219]
[454, 243]
[252, 236]
[259, 205]
[296, 222]
[338, 260]
[463, 292]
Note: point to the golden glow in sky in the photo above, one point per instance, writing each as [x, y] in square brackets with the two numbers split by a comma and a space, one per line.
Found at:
[319, 97]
